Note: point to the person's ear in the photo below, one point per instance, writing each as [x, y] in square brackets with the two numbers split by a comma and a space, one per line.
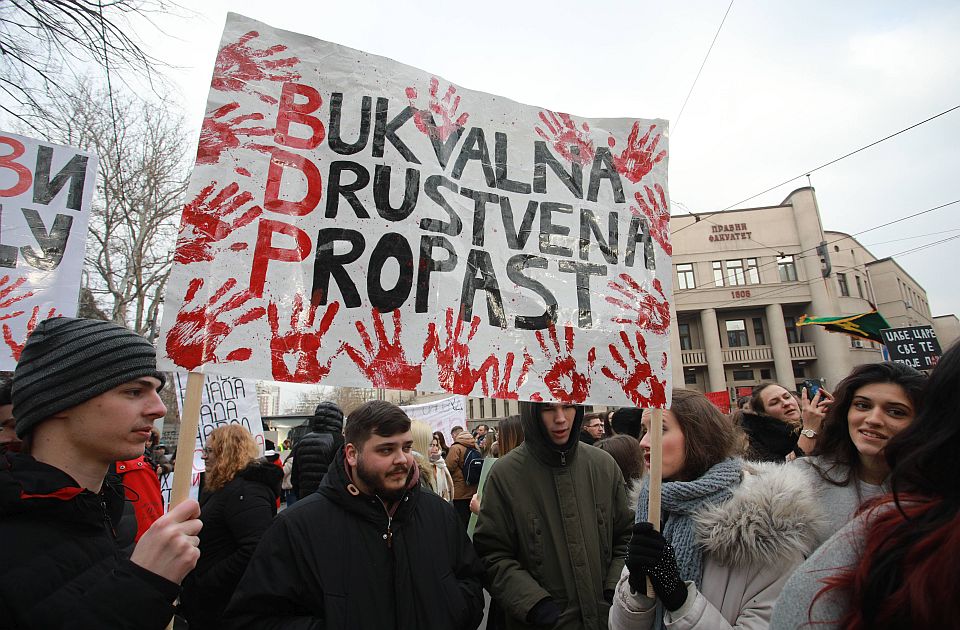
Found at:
[351, 454]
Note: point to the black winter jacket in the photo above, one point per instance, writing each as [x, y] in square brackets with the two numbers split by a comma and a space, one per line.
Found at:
[335, 560]
[61, 566]
[770, 440]
[311, 459]
[234, 518]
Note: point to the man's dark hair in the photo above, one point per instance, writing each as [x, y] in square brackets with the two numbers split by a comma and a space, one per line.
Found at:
[6, 386]
[456, 429]
[626, 421]
[376, 416]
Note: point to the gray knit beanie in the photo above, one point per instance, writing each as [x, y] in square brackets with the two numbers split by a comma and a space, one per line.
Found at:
[69, 360]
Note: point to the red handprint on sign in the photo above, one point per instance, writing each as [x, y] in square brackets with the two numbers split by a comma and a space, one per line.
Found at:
[652, 313]
[386, 366]
[453, 359]
[564, 136]
[17, 348]
[219, 134]
[658, 214]
[301, 341]
[502, 388]
[197, 333]
[203, 222]
[7, 300]
[637, 380]
[563, 379]
[637, 159]
[238, 63]
[445, 107]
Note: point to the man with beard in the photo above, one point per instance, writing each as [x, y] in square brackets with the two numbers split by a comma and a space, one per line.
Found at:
[369, 549]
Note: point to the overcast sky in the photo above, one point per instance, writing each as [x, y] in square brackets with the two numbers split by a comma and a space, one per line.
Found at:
[784, 90]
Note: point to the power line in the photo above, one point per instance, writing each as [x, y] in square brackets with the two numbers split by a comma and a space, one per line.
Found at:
[705, 57]
[908, 238]
[825, 164]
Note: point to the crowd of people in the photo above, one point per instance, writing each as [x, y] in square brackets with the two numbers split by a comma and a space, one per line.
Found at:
[798, 510]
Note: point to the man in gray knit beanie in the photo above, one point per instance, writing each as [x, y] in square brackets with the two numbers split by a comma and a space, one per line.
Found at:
[85, 394]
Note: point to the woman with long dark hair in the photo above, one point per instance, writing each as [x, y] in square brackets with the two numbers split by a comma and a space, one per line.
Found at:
[872, 405]
[732, 531]
[897, 565]
[237, 504]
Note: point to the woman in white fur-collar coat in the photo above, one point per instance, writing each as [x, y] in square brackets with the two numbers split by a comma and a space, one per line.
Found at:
[733, 531]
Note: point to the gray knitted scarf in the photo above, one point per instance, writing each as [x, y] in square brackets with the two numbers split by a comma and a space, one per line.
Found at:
[681, 499]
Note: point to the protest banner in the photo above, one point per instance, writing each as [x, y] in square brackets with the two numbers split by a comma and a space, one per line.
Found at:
[354, 221]
[442, 415]
[916, 346]
[720, 400]
[45, 197]
[223, 400]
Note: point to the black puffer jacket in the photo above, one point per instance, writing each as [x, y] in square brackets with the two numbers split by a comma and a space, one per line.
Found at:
[234, 518]
[61, 566]
[314, 452]
[771, 440]
[337, 560]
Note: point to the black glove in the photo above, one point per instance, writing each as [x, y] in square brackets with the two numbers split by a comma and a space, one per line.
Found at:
[651, 556]
[544, 614]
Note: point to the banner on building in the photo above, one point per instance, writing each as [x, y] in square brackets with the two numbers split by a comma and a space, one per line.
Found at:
[45, 196]
[442, 415]
[354, 221]
[916, 346]
[226, 400]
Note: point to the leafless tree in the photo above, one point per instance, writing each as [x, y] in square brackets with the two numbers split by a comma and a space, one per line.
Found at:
[42, 42]
[142, 175]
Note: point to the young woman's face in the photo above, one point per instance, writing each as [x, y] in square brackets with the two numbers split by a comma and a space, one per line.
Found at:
[877, 413]
[780, 403]
[435, 447]
[673, 444]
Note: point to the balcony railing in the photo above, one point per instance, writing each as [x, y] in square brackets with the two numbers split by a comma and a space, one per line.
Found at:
[748, 354]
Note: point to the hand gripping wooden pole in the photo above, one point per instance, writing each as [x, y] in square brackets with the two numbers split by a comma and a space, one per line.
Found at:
[656, 474]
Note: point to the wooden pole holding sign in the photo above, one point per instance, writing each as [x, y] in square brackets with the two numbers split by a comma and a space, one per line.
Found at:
[656, 474]
[186, 442]
[189, 423]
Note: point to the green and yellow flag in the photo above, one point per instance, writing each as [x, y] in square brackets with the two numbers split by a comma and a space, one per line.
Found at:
[863, 326]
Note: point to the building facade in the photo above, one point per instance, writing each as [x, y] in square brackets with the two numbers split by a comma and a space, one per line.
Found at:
[744, 278]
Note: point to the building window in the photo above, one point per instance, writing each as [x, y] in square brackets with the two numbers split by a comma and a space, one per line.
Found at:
[686, 343]
[842, 281]
[689, 378]
[758, 337]
[766, 374]
[735, 273]
[482, 410]
[743, 375]
[787, 268]
[753, 273]
[736, 333]
[493, 407]
[859, 286]
[685, 276]
[798, 371]
[470, 407]
[793, 333]
[718, 273]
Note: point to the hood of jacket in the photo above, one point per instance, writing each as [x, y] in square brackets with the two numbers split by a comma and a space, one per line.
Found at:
[326, 418]
[267, 473]
[537, 441]
[338, 486]
[28, 486]
[465, 438]
[774, 515]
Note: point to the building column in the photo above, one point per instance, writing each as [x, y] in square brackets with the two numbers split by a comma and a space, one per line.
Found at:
[676, 352]
[716, 377]
[780, 346]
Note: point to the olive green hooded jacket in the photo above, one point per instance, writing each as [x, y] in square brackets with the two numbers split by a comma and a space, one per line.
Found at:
[554, 522]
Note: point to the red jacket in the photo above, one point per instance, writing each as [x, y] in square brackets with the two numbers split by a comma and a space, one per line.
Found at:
[142, 488]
